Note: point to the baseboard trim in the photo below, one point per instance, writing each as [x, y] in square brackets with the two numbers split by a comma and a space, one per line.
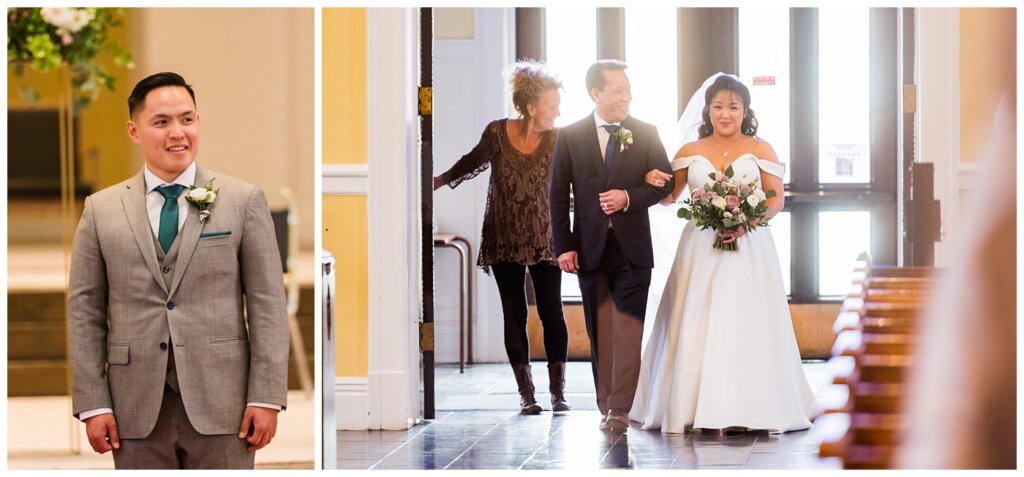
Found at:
[352, 401]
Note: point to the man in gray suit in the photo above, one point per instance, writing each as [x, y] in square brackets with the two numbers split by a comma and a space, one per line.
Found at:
[169, 369]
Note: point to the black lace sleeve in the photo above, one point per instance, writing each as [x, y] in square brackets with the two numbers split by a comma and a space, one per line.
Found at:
[477, 160]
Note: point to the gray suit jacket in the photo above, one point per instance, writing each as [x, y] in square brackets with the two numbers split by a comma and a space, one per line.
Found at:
[120, 310]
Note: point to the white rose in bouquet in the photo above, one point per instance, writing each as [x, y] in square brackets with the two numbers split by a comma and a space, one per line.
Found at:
[198, 194]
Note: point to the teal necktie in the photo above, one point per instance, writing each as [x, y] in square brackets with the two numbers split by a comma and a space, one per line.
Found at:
[169, 215]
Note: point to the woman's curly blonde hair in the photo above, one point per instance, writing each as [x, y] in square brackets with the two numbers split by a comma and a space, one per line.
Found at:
[530, 79]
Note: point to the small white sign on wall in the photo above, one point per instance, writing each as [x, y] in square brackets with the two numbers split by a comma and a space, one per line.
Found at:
[848, 161]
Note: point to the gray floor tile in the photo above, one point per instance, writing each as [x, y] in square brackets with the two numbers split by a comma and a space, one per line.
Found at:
[478, 426]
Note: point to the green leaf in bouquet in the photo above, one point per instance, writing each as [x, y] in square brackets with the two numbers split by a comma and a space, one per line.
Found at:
[711, 176]
[684, 214]
[729, 172]
[770, 193]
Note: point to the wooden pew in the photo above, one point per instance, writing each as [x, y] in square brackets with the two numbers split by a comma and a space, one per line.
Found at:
[876, 331]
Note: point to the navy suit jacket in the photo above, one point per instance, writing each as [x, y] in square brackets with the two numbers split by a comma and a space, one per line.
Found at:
[577, 164]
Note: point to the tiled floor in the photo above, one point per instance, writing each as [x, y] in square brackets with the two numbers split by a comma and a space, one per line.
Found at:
[478, 427]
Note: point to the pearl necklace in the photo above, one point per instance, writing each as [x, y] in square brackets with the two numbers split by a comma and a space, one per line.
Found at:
[725, 152]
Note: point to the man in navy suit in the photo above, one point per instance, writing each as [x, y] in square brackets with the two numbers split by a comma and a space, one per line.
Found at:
[603, 158]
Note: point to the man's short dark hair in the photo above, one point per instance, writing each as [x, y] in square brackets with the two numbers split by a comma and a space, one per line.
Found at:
[137, 100]
[595, 74]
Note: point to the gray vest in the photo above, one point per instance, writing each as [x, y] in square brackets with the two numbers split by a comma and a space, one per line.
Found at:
[167, 262]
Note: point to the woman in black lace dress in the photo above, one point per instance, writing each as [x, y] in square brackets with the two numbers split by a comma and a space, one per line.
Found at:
[516, 233]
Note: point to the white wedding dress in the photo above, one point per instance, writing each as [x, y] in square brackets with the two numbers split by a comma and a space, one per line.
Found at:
[722, 351]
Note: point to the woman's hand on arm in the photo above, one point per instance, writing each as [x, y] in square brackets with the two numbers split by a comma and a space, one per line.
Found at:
[679, 186]
[680, 175]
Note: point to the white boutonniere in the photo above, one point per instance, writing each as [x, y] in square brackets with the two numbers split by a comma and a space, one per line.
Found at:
[202, 198]
[625, 138]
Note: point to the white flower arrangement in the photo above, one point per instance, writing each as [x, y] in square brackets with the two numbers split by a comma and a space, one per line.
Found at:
[67, 20]
[79, 39]
[625, 138]
[202, 198]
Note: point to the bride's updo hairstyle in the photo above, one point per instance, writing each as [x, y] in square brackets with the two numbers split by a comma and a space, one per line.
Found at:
[727, 83]
[530, 79]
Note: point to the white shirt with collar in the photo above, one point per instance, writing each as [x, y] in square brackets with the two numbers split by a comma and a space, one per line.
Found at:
[155, 200]
[154, 204]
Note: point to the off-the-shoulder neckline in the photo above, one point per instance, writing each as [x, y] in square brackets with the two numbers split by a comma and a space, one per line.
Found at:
[734, 161]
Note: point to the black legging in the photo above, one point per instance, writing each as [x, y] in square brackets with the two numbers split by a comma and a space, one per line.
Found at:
[547, 286]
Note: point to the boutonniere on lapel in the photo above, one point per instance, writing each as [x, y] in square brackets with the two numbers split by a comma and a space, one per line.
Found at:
[202, 198]
[625, 138]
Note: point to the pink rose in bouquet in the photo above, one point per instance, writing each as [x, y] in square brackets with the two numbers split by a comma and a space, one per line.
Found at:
[732, 201]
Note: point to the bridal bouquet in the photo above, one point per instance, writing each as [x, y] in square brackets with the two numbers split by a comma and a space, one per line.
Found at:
[726, 204]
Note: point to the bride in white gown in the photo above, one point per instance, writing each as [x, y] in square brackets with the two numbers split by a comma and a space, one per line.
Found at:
[722, 353]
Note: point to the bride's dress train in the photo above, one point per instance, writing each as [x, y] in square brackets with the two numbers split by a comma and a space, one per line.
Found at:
[722, 351]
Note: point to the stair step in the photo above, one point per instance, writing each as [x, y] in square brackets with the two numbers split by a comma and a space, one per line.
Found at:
[37, 337]
[48, 377]
[35, 307]
[36, 340]
[37, 377]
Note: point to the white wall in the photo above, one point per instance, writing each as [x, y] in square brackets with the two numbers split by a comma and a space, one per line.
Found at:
[939, 119]
[252, 70]
[938, 112]
[469, 92]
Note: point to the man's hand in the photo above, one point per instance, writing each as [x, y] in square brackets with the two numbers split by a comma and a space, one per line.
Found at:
[262, 422]
[612, 201]
[102, 432]
[568, 262]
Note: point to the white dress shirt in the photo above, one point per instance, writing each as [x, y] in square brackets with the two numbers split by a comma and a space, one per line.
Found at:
[154, 204]
[603, 136]
[155, 200]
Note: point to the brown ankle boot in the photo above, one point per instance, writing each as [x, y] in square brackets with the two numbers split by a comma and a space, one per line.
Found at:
[524, 378]
[556, 379]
